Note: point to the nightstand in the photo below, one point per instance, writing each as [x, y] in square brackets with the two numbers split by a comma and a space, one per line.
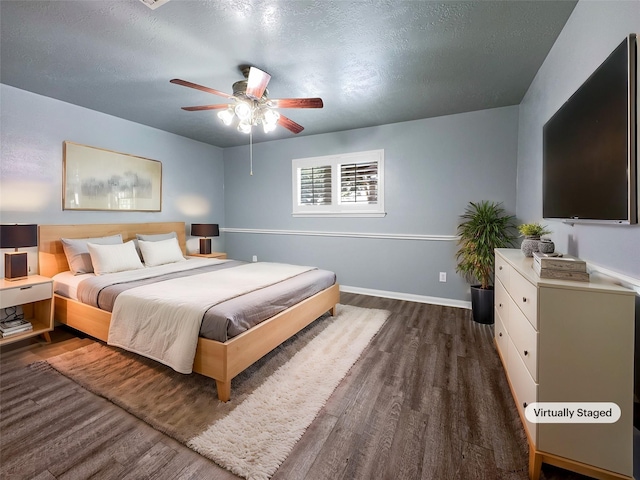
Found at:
[219, 255]
[35, 295]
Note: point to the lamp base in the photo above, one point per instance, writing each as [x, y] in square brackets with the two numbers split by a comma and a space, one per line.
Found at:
[15, 265]
[205, 245]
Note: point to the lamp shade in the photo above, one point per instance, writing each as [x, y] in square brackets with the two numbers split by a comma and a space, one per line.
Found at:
[205, 230]
[16, 236]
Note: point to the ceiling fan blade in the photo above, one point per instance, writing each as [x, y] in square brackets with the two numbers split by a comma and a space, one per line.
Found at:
[257, 82]
[184, 83]
[290, 124]
[206, 107]
[297, 102]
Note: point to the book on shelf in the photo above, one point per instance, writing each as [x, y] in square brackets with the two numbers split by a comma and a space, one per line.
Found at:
[10, 325]
[26, 328]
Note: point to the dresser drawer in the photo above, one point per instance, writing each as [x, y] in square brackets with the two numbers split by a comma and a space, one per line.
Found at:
[524, 388]
[10, 297]
[503, 271]
[502, 338]
[501, 302]
[525, 340]
[525, 296]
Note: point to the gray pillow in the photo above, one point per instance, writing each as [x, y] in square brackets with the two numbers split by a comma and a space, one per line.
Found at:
[77, 252]
[152, 237]
[157, 237]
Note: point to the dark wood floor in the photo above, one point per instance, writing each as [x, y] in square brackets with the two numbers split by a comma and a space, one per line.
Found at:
[427, 400]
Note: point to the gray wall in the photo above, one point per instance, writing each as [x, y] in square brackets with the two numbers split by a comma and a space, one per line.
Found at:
[433, 168]
[33, 131]
[594, 29]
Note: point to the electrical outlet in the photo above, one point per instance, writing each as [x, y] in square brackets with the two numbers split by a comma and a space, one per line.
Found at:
[443, 276]
[255, 258]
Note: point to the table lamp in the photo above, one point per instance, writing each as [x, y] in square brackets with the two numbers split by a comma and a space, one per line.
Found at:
[205, 230]
[15, 236]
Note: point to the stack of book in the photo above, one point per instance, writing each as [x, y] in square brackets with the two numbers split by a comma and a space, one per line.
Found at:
[14, 326]
[565, 267]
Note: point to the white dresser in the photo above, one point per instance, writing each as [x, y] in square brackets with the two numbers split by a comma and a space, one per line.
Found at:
[567, 341]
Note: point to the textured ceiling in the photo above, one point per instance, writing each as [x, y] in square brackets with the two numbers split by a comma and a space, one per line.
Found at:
[372, 63]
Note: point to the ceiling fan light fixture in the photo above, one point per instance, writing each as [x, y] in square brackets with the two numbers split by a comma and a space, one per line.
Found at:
[244, 127]
[270, 116]
[226, 116]
[243, 110]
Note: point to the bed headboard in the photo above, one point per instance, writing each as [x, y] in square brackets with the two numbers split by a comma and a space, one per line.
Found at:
[51, 257]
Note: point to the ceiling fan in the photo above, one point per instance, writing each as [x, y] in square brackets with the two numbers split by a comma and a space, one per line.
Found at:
[250, 103]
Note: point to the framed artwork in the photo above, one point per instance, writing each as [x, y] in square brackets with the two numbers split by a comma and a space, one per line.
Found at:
[99, 179]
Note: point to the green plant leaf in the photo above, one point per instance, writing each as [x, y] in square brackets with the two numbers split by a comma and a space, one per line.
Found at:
[485, 226]
[533, 229]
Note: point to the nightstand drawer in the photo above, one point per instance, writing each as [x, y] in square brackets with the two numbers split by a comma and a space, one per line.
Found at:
[10, 297]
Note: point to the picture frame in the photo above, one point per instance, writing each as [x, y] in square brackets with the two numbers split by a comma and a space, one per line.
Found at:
[99, 179]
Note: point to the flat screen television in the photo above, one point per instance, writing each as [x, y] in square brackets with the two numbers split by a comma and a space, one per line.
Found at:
[590, 146]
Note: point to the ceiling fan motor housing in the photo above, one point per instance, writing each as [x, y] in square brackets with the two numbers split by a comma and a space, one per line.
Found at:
[240, 90]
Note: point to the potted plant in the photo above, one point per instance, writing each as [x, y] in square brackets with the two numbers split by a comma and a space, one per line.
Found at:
[485, 226]
[532, 233]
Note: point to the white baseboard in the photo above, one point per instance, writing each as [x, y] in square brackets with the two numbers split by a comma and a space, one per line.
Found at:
[410, 297]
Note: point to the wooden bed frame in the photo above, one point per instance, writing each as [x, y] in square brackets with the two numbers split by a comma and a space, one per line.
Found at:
[218, 360]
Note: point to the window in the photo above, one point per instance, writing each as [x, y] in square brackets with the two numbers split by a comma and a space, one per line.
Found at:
[339, 185]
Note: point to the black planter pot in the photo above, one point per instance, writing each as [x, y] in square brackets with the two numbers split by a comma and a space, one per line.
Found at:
[482, 304]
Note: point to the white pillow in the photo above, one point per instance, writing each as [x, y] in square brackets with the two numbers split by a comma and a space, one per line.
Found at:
[114, 258]
[161, 252]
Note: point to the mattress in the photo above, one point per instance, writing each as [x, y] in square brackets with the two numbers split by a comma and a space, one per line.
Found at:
[222, 321]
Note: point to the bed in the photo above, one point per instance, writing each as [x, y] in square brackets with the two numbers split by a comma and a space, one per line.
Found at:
[219, 360]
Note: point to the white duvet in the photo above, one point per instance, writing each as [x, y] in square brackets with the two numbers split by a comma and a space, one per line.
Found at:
[162, 321]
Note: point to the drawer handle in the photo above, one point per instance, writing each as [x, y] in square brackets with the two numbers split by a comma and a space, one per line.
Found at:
[500, 267]
[500, 305]
[500, 334]
[26, 288]
[524, 299]
[524, 404]
[526, 353]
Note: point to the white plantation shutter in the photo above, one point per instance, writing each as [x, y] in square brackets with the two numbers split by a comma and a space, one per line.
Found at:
[339, 185]
[359, 183]
[315, 185]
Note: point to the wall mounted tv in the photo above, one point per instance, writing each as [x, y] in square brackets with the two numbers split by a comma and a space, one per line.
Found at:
[590, 171]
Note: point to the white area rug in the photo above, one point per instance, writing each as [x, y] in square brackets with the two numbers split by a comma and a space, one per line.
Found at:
[257, 436]
[272, 402]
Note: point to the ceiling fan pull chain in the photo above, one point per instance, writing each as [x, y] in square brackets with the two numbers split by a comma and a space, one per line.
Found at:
[251, 152]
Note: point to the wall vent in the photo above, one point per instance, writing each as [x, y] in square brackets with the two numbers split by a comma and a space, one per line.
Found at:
[153, 4]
